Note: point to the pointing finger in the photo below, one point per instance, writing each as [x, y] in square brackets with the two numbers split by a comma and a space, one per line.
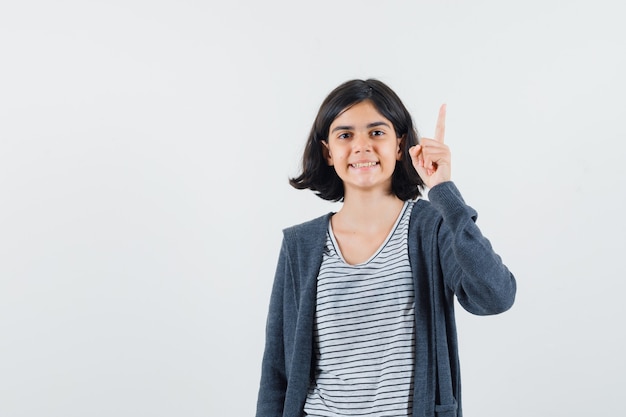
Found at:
[440, 129]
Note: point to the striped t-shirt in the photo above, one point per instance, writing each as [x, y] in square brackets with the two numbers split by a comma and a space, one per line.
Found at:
[365, 331]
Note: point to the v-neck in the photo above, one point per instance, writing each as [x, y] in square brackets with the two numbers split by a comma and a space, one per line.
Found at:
[377, 251]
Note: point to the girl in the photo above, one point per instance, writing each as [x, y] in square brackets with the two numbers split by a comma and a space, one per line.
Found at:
[361, 316]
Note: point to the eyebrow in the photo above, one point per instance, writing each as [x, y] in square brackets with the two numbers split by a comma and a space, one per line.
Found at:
[369, 126]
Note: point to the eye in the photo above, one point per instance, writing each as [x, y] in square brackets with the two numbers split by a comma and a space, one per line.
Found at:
[377, 133]
[344, 135]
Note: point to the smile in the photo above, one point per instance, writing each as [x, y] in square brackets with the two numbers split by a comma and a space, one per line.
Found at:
[364, 164]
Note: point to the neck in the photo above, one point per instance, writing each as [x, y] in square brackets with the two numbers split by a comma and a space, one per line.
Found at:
[367, 210]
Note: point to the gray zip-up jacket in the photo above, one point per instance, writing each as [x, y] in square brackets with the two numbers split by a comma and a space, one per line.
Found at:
[449, 257]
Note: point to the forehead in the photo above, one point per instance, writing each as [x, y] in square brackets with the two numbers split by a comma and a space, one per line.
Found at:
[358, 115]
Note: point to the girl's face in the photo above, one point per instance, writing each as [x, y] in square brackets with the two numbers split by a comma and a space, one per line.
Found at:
[363, 148]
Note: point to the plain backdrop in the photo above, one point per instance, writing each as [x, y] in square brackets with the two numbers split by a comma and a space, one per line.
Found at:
[145, 148]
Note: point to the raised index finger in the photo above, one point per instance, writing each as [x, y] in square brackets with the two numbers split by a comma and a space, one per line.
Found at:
[440, 129]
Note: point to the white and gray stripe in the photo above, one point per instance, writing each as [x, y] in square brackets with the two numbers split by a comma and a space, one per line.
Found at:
[364, 331]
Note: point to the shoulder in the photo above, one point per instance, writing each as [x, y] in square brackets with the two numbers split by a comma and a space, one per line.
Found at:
[317, 224]
[309, 230]
[304, 243]
[424, 212]
[444, 202]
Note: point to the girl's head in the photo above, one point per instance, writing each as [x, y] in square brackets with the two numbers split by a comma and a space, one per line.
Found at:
[318, 176]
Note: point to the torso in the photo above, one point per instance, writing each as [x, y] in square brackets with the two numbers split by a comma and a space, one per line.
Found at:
[364, 330]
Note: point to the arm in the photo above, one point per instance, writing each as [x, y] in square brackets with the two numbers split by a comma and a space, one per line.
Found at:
[471, 269]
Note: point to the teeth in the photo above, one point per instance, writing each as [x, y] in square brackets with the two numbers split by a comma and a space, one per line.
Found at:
[364, 164]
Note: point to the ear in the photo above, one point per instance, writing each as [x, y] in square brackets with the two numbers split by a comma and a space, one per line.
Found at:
[401, 143]
[326, 153]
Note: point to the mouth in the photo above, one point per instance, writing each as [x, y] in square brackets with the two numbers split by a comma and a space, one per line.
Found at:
[363, 164]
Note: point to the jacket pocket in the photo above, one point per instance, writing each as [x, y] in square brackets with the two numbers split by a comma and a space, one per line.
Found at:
[446, 410]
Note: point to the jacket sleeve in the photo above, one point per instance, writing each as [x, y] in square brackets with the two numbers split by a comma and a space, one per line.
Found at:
[482, 284]
[273, 383]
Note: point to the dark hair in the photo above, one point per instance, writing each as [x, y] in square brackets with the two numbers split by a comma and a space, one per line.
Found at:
[318, 176]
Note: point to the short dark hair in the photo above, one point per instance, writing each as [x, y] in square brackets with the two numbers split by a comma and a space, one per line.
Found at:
[321, 178]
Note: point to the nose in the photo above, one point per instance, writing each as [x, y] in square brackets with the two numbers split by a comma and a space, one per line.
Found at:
[361, 143]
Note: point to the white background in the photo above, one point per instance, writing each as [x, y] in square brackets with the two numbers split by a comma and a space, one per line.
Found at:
[145, 148]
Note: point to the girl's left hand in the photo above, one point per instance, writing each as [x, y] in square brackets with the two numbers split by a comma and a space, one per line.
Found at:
[431, 158]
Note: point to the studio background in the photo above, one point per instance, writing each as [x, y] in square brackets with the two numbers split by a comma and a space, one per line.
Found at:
[145, 149]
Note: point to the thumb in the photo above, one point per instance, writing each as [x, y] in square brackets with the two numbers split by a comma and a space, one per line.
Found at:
[415, 150]
[416, 156]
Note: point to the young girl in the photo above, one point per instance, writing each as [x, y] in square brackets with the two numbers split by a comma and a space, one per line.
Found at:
[361, 316]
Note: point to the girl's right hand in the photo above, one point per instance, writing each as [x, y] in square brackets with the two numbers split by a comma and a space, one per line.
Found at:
[431, 158]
